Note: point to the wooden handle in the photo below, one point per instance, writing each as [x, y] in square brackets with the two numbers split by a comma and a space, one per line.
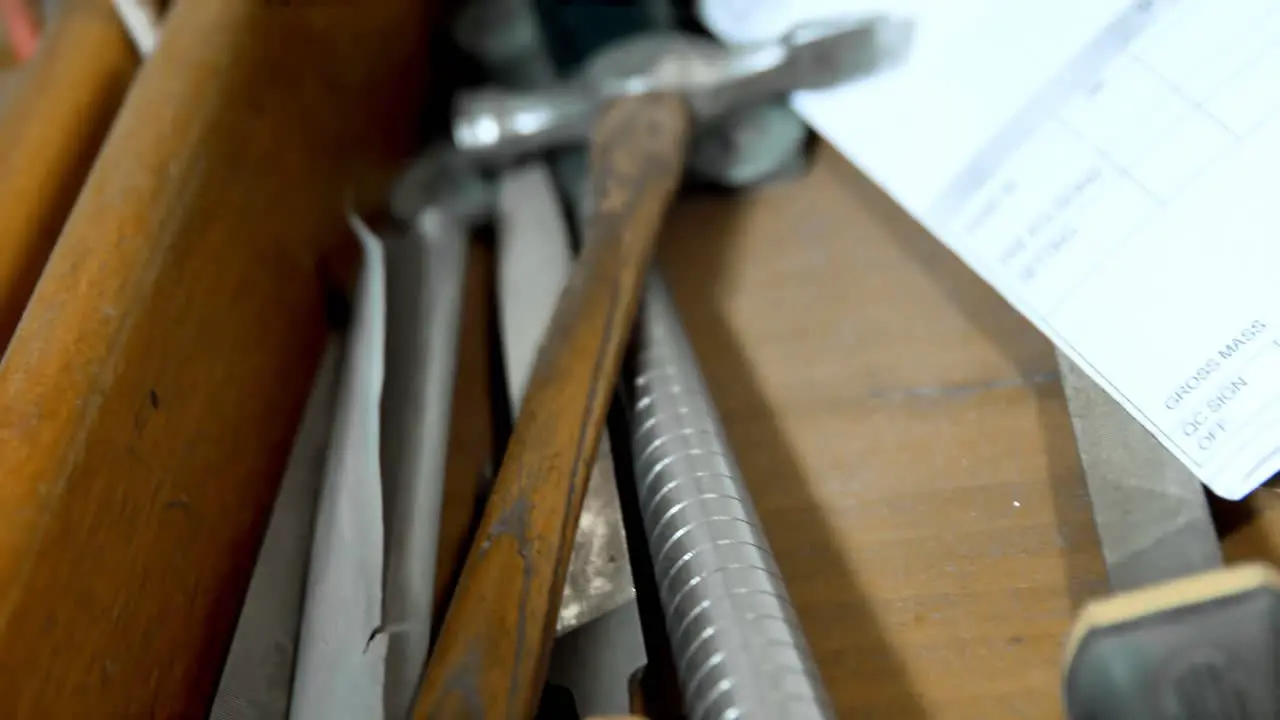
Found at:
[149, 396]
[491, 658]
[50, 130]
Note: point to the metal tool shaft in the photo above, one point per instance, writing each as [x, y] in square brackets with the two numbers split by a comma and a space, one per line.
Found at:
[437, 200]
[498, 125]
[426, 280]
[738, 646]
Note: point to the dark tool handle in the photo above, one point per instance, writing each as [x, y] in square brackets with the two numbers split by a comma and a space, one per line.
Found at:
[1201, 646]
[491, 659]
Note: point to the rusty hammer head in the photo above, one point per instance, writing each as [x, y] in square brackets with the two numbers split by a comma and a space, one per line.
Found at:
[497, 126]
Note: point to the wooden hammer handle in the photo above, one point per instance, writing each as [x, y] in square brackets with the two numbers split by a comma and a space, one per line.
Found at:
[491, 659]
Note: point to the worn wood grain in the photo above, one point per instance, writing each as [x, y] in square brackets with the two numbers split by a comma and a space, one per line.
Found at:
[52, 122]
[905, 441]
[907, 446]
[149, 395]
[7, 59]
[6, 54]
[491, 658]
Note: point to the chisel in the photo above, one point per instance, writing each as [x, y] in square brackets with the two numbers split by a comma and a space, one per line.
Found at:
[1182, 637]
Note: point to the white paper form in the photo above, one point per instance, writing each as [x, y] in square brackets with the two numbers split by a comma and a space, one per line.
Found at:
[1109, 167]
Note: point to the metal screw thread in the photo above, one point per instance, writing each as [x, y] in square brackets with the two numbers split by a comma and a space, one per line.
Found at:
[739, 648]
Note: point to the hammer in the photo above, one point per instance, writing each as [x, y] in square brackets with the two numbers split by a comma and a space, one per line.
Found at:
[490, 660]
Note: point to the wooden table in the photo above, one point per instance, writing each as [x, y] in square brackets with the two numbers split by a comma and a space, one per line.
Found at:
[907, 443]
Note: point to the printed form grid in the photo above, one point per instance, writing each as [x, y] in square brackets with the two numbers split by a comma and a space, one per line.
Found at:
[1149, 125]
[1108, 159]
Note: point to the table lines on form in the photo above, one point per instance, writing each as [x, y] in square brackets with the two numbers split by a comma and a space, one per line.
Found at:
[1117, 151]
[1099, 164]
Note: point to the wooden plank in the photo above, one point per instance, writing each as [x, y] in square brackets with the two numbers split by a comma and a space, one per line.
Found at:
[51, 127]
[149, 396]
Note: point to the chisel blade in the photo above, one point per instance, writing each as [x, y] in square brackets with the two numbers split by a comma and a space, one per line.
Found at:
[1151, 513]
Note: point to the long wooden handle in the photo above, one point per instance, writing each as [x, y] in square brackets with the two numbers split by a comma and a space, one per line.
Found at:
[151, 391]
[492, 654]
[50, 131]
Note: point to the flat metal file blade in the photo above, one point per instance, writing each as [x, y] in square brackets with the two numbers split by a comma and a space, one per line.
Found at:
[1151, 513]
